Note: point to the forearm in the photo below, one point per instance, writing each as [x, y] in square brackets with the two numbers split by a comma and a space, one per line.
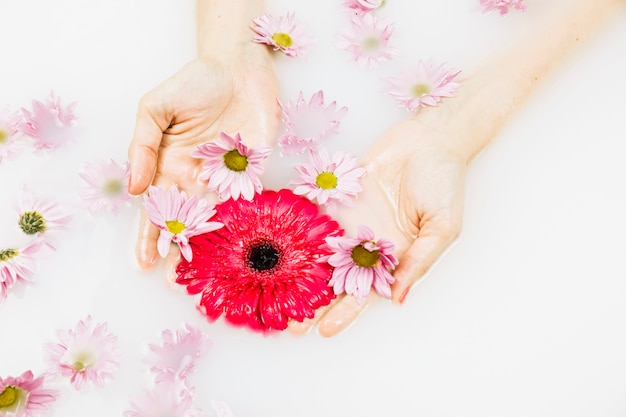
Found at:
[224, 29]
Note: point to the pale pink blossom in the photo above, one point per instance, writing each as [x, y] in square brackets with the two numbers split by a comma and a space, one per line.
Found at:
[9, 132]
[48, 123]
[502, 6]
[329, 179]
[25, 396]
[86, 353]
[164, 400]
[308, 124]
[39, 216]
[423, 86]
[178, 218]
[283, 34]
[221, 408]
[232, 168]
[175, 358]
[361, 264]
[105, 185]
[18, 266]
[367, 39]
[362, 6]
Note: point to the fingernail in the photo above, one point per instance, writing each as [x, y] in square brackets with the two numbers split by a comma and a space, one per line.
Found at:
[404, 294]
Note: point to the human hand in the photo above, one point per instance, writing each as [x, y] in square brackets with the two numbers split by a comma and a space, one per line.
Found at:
[412, 195]
[203, 99]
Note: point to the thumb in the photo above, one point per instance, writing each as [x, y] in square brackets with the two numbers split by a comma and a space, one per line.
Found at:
[152, 120]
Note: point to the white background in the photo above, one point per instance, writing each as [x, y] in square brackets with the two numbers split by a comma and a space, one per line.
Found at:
[524, 316]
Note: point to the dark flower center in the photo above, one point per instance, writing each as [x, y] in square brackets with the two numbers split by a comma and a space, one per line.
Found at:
[32, 222]
[235, 161]
[6, 254]
[8, 397]
[263, 257]
[363, 257]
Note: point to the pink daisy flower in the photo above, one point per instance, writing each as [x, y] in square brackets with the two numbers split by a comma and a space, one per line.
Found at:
[178, 218]
[9, 129]
[17, 266]
[24, 396]
[424, 86]
[367, 40]
[232, 168]
[362, 6]
[48, 123]
[308, 124]
[282, 34]
[86, 353]
[329, 179]
[39, 216]
[163, 400]
[361, 264]
[502, 6]
[174, 359]
[106, 185]
[261, 269]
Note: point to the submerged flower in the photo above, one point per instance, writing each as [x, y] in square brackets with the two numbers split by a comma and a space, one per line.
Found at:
[221, 408]
[178, 218]
[24, 396]
[424, 86]
[174, 359]
[17, 266]
[9, 127]
[163, 400]
[48, 122]
[329, 179]
[86, 353]
[282, 34]
[39, 216]
[362, 6]
[262, 268]
[502, 6]
[308, 124]
[361, 264]
[106, 185]
[231, 167]
[367, 40]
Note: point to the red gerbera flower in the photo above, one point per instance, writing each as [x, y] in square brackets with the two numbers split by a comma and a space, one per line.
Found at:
[261, 269]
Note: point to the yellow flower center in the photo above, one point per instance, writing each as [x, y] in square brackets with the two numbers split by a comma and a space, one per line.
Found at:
[363, 257]
[174, 226]
[421, 89]
[371, 43]
[235, 161]
[83, 360]
[4, 135]
[282, 39]
[112, 187]
[326, 180]
[32, 222]
[7, 254]
[8, 397]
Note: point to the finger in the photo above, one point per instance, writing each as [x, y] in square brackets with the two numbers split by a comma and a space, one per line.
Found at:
[146, 248]
[152, 120]
[299, 328]
[171, 262]
[343, 314]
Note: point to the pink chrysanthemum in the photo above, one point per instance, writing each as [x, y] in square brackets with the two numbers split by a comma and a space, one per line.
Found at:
[282, 34]
[106, 185]
[9, 129]
[178, 218]
[48, 122]
[174, 359]
[361, 264]
[24, 396]
[261, 269]
[164, 399]
[502, 6]
[362, 6]
[308, 124]
[17, 266]
[329, 179]
[39, 216]
[424, 86]
[232, 168]
[87, 353]
[367, 40]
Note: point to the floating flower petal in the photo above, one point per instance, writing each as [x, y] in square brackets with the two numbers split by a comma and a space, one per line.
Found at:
[424, 86]
[17, 266]
[309, 123]
[362, 6]
[162, 400]
[178, 218]
[502, 6]
[282, 34]
[9, 132]
[174, 359]
[86, 353]
[231, 168]
[25, 396]
[48, 123]
[361, 264]
[39, 216]
[329, 179]
[106, 185]
[262, 268]
[367, 40]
